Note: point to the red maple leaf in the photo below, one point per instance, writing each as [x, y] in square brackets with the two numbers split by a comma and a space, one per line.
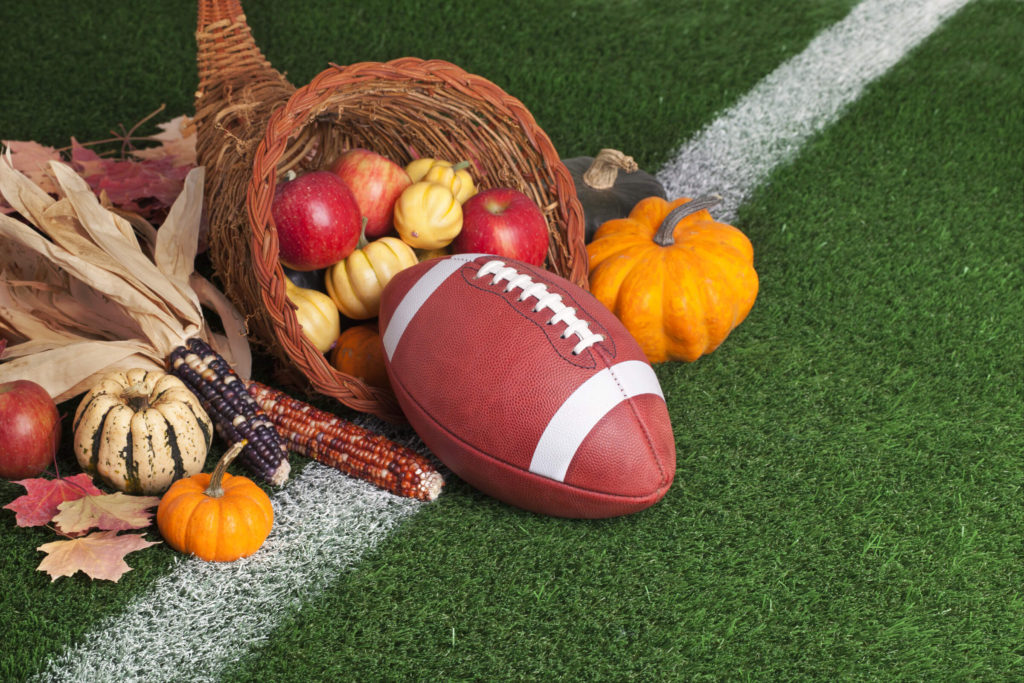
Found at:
[145, 186]
[40, 504]
[144, 180]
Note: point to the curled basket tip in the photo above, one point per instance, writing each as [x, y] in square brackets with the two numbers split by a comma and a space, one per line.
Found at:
[403, 109]
[227, 52]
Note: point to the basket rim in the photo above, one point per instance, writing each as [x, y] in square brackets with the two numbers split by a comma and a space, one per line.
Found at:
[294, 115]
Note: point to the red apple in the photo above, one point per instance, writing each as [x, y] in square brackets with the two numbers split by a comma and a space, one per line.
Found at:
[318, 220]
[503, 221]
[29, 429]
[376, 181]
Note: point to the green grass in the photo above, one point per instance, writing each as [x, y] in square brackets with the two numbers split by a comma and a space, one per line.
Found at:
[83, 72]
[848, 496]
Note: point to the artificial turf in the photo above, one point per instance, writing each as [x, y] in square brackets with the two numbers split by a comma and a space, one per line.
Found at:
[848, 498]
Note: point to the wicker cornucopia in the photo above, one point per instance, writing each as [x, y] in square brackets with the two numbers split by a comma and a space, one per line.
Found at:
[253, 126]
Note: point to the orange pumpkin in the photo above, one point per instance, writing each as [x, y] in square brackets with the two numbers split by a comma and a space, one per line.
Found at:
[360, 353]
[678, 280]
[218, 517]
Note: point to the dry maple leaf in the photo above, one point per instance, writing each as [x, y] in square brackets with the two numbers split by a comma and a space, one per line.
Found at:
[41, 503]
[33, 159]
[177, 142]
[100, 555]
[110, 512]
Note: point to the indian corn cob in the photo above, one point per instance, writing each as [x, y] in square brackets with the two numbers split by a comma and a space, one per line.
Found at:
[235, 413]
[354, 450]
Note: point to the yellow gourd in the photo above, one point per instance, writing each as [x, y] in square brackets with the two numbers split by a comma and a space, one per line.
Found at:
[317, 315]
[427, 215]
[456, 178]
[356, 282]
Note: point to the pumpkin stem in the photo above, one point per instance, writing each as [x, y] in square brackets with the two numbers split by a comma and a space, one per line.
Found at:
[605, 167]
[461, 165]
[668, 226]
[214, 489]
[136, 396]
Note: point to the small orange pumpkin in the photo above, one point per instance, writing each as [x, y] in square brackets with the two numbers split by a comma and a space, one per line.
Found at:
[359, 353]
[218, 517]
[677, 279]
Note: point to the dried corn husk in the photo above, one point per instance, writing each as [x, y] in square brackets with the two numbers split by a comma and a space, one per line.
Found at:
[79, 296]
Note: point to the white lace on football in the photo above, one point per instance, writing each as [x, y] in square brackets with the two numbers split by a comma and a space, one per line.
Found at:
[545, 299]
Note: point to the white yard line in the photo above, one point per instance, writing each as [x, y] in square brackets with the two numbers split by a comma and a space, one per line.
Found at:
[734, 155]
[201, 617]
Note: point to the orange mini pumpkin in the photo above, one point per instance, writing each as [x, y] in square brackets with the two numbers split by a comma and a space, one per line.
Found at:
[359, 353]
[677, 279]
[218, 517]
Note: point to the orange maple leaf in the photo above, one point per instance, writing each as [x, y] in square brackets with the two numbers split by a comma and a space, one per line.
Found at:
[110, 512]
[100, 555]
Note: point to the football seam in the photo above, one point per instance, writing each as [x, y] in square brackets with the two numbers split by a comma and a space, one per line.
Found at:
[615, 496]
[643, 425]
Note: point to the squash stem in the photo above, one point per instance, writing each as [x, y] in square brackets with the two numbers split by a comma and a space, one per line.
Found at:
[605, 167]
[214, 489]
[664, 236]
[136, 397]
[363, 241]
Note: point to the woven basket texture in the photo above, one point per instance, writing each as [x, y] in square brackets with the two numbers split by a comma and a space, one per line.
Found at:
[253, 126]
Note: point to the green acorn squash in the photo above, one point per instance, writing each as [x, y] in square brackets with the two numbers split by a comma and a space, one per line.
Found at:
[609, 186]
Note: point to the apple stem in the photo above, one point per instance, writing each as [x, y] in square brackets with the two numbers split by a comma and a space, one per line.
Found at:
[290, 175]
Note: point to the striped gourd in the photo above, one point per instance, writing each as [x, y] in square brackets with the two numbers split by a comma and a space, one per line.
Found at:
[140, 430]
[236, 415]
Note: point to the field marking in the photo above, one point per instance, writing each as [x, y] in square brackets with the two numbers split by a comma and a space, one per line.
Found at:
[202, 617]
[734, 155]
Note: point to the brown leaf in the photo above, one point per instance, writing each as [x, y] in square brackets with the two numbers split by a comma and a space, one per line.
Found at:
[112, 512]
[100, 555]
[40, 504]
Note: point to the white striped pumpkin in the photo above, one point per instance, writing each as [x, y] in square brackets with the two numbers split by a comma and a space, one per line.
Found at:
[140, 430]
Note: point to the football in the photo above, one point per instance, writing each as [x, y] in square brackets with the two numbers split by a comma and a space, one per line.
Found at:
[526, 387]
